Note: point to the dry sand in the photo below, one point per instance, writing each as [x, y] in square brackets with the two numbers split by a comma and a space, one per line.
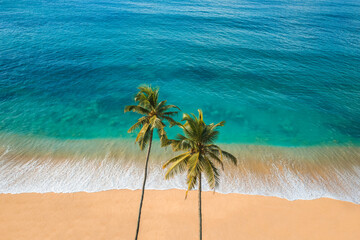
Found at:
[166, 215]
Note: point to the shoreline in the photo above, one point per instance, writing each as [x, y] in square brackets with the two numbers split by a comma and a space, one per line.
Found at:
[182, 189]
[112, 214]
[44, 165]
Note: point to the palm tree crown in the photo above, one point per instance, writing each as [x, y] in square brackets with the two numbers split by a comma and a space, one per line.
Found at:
[201, 155]
[154, 112]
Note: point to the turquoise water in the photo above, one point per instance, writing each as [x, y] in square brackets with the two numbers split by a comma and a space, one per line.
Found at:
[285, 75]
[279, 72]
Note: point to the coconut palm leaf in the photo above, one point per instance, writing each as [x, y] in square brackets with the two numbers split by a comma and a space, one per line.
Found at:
[178, 165]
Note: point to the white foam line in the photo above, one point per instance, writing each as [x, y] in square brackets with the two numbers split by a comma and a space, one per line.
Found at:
[93, 176]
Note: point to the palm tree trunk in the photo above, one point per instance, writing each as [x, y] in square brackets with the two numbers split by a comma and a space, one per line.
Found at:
[143, 187]
[200, 217]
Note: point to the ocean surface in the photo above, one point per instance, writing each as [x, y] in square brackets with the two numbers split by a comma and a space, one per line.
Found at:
[285, 75]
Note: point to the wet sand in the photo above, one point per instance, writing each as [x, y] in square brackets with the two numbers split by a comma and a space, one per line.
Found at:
[166, 215]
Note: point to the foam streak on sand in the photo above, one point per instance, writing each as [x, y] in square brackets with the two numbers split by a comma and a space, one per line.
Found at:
[30, 165]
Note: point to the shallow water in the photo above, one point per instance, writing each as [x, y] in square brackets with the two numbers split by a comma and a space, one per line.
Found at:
[30, 164]
[281, 73]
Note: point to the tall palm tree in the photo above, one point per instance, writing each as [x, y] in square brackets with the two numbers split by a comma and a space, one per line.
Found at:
[201, 154]
[154, 114]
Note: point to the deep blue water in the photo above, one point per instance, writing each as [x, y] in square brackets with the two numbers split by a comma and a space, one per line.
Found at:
[279, 72]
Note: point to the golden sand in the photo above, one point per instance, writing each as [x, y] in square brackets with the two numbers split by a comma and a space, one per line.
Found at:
[166, 215]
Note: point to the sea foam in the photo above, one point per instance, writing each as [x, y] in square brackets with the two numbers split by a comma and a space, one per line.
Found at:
[28, 165]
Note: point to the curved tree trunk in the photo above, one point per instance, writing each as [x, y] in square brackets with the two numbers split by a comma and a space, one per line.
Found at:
[143, 187]
[200, 217]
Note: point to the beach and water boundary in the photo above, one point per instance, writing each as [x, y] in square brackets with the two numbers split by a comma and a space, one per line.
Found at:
[41, 165]
[54, 189]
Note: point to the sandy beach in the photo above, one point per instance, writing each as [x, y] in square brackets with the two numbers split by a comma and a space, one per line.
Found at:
[166, 215]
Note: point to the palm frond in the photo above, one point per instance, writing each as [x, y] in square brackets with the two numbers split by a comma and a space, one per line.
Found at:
[171, 121]
[211, 173]
[229, 156]
[191, 182]
[167, 107]
[160, 105]
[181, 143]
[142, 132]
[170, 114]
[193, 172]
[201, 117]
[137, 109]
[220, 124]
[155, 122]
[137, 125]
[216, 158]
[193, 164]
[164, 141]
[166, 164]
[210, 136]
[147, 97]
[144, 139]
[178, 165]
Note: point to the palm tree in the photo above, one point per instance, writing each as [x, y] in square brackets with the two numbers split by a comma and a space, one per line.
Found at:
[201, 156]
[154, 114]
